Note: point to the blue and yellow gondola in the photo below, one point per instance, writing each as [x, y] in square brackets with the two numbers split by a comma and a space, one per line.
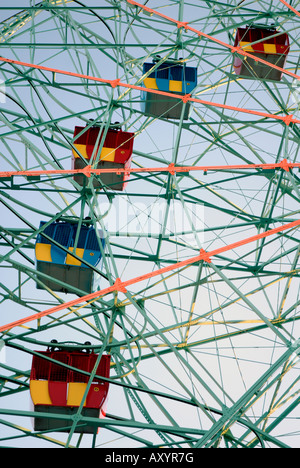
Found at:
[171, 77]
[54, 256]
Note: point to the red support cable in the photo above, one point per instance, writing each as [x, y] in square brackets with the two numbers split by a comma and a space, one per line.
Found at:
[123, 285]
[172, 169]
[211, 38]
[290, 7]
[287, 119]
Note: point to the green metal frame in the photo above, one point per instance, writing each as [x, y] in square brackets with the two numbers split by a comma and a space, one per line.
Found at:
[203, 356]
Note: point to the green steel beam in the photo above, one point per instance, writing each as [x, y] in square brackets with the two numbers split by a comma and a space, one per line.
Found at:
[232, 413]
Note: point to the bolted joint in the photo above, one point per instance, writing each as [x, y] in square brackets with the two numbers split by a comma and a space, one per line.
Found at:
[76, 417]
[118, 286]
[204, 256]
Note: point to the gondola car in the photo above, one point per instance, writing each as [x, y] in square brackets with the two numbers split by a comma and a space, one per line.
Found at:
[116, 153]
[171, 77]
[54, 256]
[265, 44]
[58, 390]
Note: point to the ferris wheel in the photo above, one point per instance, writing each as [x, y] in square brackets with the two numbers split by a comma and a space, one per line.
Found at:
[149, 189]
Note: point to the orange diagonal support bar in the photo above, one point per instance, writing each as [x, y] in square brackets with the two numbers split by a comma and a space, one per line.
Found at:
[171, 169]
[87, 170]
[119, 286]
[290, 7]
[224, 44]
[185, 98]
[122, 285]
[205, 256]
[182, 24]
[285, 165]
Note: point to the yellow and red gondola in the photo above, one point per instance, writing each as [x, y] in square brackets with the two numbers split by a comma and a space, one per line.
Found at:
[263, 43]
[57, 389]
[115, 153]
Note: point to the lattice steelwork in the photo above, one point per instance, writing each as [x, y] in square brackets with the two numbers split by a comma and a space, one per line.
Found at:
[196, 297]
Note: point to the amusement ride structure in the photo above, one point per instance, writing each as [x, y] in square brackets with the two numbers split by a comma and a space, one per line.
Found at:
[149, 189]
